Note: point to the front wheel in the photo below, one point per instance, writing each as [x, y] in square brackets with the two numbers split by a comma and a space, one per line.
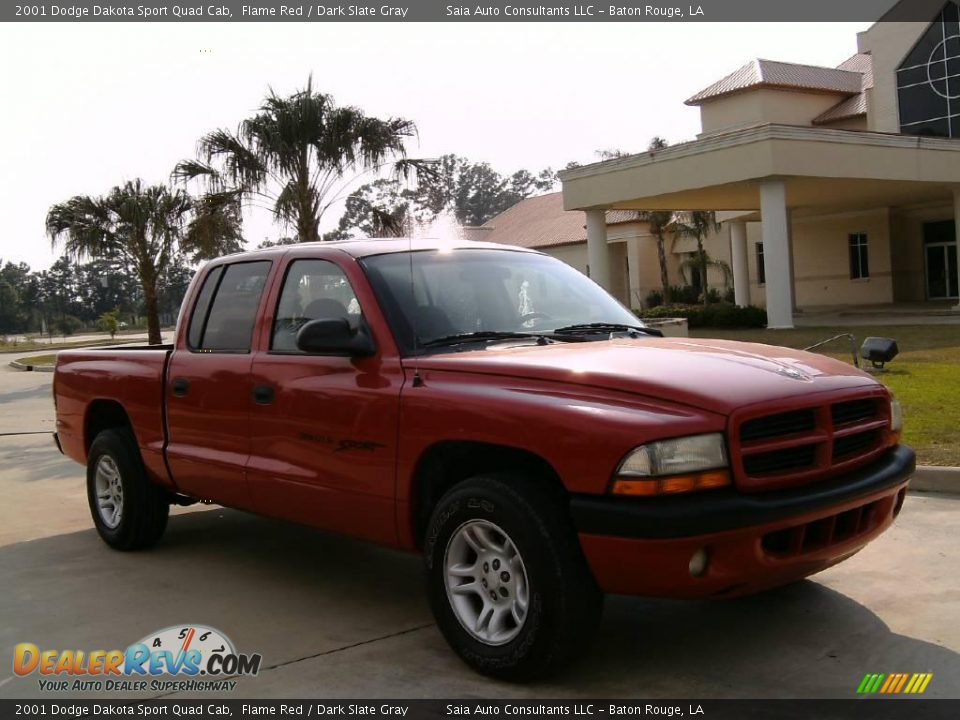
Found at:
[507, 581]
[129, 511]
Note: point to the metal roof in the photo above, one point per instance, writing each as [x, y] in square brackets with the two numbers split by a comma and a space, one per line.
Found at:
[772, 74]
[855, 106]
[541, 221]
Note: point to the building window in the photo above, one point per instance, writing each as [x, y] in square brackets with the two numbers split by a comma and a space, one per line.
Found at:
[761, 268]
[859, 259]
[928, 80]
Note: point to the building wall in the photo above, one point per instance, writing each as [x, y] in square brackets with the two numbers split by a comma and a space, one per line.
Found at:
[634, 265]
[762, 105]
[888, 43]
[574, 255]
[909, 276]
[854, 123]
[821, 260]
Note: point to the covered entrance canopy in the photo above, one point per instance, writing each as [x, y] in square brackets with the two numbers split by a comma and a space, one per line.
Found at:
[776, 170]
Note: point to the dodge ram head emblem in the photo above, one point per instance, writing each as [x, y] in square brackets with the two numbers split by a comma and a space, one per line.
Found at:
[793, 373]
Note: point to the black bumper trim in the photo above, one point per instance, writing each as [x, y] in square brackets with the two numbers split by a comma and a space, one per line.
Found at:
[718, 510]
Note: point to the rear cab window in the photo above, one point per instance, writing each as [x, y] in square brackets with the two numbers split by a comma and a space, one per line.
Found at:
[226, 309]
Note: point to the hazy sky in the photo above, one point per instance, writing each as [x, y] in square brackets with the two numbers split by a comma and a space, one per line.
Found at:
[88, 106]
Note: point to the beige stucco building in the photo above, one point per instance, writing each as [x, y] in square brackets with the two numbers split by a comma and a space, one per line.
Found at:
[541, 223]
[837, 186]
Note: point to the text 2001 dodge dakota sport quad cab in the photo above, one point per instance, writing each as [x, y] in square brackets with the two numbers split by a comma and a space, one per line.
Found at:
[496, 410]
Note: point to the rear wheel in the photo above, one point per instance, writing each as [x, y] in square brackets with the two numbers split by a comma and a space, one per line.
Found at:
[507, 581]
[128, 510]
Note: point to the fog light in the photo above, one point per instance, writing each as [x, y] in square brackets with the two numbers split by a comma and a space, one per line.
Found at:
[698, 563]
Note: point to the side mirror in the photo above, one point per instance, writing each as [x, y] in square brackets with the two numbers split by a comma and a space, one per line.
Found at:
[334, 336]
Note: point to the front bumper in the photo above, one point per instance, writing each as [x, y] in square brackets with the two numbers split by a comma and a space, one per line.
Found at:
[753, 541]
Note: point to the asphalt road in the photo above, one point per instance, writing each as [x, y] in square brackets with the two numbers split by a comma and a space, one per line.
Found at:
[338, 618]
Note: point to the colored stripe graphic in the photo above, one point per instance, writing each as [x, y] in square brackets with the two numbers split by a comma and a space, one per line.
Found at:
[894, 683]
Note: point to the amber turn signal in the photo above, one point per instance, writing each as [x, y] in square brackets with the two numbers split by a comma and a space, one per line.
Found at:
[671, 484]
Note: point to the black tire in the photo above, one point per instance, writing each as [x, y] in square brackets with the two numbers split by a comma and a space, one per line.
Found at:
[564, 602]
[145, 506]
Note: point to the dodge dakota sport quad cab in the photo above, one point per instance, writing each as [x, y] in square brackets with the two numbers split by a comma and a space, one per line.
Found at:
[496, 410]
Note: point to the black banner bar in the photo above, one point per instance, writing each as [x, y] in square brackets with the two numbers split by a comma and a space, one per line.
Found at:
[866, 708]
[462, 11]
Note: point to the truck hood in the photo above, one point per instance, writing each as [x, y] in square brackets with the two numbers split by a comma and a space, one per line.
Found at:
[714, 375]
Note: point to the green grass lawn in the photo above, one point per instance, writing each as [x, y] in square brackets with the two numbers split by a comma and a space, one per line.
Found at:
[925, 376]
[49, 359]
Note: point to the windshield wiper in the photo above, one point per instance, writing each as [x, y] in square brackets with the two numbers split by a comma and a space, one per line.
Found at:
[603, 327]
[481, 336]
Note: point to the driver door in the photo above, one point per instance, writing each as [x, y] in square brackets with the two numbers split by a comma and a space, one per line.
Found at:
[324, 428]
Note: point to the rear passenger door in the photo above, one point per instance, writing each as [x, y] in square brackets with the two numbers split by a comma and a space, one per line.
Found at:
[208, 385]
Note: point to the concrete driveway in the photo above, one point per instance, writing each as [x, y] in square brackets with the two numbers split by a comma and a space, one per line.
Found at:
[338, 618]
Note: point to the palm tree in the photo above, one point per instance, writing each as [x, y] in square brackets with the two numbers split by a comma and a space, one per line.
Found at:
[144, 227]
[695, 263]
[658, 221]
[698, 224]
[294, 154]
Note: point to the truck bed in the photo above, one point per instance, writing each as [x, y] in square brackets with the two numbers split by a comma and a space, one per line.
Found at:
[92, 385]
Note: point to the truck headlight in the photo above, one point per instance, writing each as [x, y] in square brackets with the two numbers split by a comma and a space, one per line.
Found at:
[684, 464]
[896, 418]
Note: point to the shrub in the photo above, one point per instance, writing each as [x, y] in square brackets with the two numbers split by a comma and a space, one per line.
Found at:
[109, 322]
[67, 325]
[683, 295]
[719, 315]
[654, 299]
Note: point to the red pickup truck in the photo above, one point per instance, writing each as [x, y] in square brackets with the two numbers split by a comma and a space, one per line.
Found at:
[499, 412]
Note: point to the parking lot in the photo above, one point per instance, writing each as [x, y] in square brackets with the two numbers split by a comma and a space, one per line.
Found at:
[338, 618]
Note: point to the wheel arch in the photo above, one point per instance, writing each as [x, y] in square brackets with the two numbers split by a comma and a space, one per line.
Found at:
[103, 414]
[448, 462]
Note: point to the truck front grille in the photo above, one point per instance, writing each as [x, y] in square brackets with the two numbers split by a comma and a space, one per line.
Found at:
[779, 424]
[776, 450]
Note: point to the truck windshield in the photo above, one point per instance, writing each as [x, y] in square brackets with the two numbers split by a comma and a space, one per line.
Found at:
[485, 293]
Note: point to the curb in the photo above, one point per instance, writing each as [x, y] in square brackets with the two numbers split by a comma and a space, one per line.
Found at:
[30, 368]
[935, 479]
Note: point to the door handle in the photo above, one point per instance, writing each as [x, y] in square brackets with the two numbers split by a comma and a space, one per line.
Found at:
[263, 394]
[180, 386]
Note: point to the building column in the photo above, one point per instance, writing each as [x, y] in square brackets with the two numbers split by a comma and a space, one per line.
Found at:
[738, 257]
[776, 254]
[597, 254]
[956, 223]
[634, 262]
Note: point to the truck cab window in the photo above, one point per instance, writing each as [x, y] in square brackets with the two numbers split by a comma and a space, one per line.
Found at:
[229, 325]
[202, 307]
[312, 289]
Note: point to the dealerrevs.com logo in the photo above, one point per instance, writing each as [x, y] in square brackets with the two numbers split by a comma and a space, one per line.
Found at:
[197, 656]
